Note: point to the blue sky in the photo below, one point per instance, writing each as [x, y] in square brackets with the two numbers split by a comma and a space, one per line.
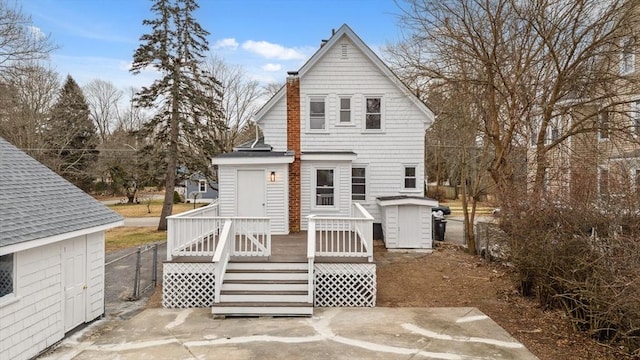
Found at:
[97, 38]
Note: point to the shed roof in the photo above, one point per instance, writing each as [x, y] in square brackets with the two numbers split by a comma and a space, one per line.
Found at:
[37, 203]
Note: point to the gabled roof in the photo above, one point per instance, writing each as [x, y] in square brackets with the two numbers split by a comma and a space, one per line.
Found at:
[346, 31]
[36, 203]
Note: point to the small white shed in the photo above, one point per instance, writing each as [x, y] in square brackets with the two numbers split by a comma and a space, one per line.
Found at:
[406, 221]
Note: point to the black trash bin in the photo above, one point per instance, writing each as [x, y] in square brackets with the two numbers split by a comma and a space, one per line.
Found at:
[439, 228]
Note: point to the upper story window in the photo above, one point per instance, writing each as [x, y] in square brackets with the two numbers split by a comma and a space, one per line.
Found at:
[410, 179]
[7, 275]
[603, 124]
[345, 110]
[324, 187]
[202, 186]
[358, 183]
[317, 118]
[603, 183]
[373, 114]
[628, 57]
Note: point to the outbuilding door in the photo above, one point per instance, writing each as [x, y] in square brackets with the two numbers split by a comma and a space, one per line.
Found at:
[408, 226]
[74, 263]
[251, 193]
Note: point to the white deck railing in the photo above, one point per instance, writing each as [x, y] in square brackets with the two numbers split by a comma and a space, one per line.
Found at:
[197, 233]
[221, 258]
[311, 254]
[334, 236]
[193, 233]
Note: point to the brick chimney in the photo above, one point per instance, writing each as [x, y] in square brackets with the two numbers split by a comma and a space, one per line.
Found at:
[293, 144]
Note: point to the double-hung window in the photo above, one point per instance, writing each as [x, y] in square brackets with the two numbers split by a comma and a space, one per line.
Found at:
[317, 118]
[628, 57]
[603, 183]
[635, 118]
[202, 186]
[7, 275]
[603, 125]
[358, 183]
[410, 179]
[345, 110]
[373, 113]
[324, 187]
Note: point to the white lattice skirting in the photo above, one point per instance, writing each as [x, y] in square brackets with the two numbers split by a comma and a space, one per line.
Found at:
[345, 285]
[188, 285]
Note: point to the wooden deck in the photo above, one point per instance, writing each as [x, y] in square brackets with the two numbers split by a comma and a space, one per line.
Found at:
[284, 248]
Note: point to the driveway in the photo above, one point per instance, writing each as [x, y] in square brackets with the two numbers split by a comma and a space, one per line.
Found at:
[333, 333]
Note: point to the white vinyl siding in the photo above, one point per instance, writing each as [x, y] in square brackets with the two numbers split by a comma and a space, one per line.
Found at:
[34, 320]
[404, 125]
[277, 193]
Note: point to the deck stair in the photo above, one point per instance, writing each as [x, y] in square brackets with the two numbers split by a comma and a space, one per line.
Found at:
[264, 289]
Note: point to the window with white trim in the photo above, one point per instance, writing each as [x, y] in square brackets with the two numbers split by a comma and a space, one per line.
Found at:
[202, 186]
[628, 57]
[317, 118]
[603, 183]
[635, 118]
[358, 183]
[7, 275]
[603, 125]
[345, 110]
[373, 113]
[410, 177]
[324, 187]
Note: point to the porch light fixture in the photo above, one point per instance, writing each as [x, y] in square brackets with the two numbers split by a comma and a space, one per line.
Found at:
[272, 177]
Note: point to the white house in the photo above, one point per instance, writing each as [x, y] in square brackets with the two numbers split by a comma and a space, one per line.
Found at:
[51, 255]
[344, 129]
[342, 133]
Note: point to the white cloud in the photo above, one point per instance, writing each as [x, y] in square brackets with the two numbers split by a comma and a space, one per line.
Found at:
[272, 51]
[37, 32]
[272, 67]
[229, 43]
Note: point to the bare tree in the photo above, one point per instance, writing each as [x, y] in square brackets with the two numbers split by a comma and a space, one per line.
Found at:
[271, 89]
[28, 94]
[20, 41]
[103, 98]
[523, 63]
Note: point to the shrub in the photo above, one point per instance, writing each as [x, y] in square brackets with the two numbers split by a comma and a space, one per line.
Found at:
[176, 198]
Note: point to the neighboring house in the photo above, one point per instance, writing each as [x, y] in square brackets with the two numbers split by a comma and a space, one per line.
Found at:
[343, 139]
[344, 129]
[204, 190]
[51, 255]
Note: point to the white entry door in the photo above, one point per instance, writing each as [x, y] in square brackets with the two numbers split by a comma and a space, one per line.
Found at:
[74, 273]
[251, 193]
[408, 226]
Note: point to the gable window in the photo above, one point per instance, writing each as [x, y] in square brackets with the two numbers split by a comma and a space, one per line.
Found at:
[316, 114]
[627, 57]
[324, 187]
[6, 275]
[345, 110]
[603, 125]
[358, 183]
[410, 180]
[202, 186]
[373, 114]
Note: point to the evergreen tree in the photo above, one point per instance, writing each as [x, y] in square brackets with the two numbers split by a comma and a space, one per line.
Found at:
[176, 48]
[71, 137]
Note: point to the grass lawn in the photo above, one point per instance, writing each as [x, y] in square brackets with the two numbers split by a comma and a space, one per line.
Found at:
[126, 236]
[152, 210]
[130, 236]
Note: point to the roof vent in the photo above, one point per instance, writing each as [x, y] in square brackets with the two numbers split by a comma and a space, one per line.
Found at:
[345, 48]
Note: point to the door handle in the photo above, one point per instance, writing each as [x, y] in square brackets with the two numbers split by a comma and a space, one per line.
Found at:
[84, 287]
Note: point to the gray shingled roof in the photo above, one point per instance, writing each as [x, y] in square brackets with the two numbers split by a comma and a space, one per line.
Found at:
[36, 203]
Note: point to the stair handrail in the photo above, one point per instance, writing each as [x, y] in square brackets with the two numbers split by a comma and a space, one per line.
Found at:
[221, 259]
[311, 254]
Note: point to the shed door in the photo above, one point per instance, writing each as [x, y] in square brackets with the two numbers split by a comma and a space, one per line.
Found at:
[74, 273]
[251, 193]
[408, 226]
